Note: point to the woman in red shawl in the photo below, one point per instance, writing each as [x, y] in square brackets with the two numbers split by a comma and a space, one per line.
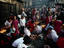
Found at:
[15, 23]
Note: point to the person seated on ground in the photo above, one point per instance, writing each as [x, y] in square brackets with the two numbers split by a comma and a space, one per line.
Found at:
[50, 24]
[26, 43]
[51, 34]
[38, 28]
[27, 31]
[51, 37]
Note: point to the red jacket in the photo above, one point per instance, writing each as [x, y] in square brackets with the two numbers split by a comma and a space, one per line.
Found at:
[60, 42]
[30, 24]
[57, 26]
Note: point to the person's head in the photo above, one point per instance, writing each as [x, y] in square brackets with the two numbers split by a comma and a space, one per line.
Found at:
[28, 27]
[14, 17]
[49, 30]
[10, 19]
[22, 9]
[34, 35]
[27, 40]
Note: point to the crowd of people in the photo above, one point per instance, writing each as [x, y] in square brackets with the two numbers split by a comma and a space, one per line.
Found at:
[34, 28]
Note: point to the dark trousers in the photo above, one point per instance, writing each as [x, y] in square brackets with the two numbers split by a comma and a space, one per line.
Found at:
[22, 30]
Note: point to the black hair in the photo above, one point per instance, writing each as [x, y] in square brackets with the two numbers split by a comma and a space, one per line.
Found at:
[27, 40]
[49, 29]
[40, 23]
[35, 33]
[28, 27]
[51, 23]
[32, 21]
